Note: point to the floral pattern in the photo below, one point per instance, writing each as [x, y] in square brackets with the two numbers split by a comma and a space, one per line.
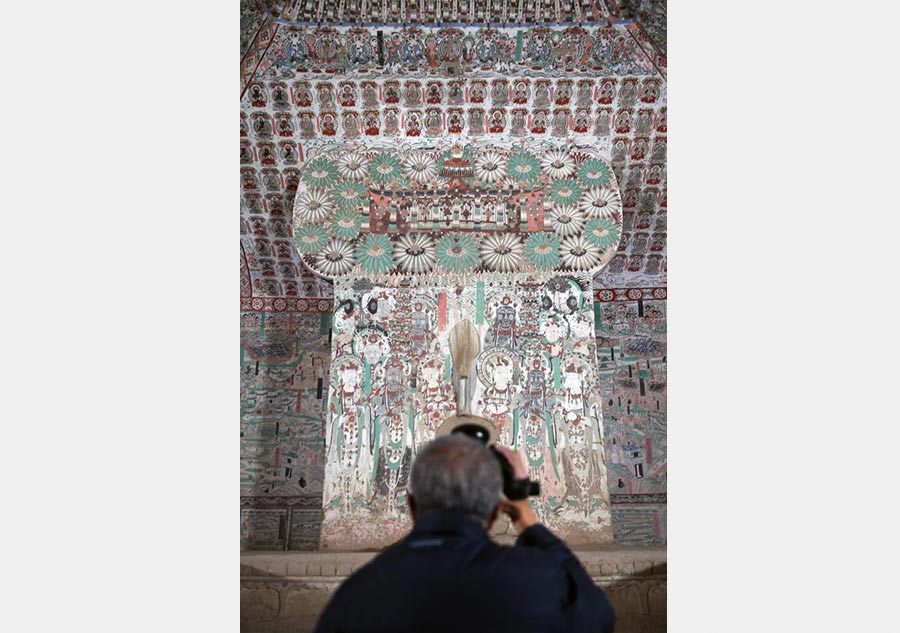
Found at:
[603, 232]
[419, 167]
[313, 206]
[578, 253]
[542, 250]
[490, 167]
[594, 173]
[558, 163]
[565, 191]
[374, 254]
[320, 172]
[349, 194]
[457, 253]
[566, 220]
[389, 210]
[335, 259]
[415, 253]
[310, 238]
[523, 167]
[502, 252]
[384, 168]
[345, 223]
[353, 165]
[601, 203]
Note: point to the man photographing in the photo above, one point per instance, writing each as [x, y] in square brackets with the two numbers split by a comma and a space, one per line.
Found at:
[448, 575]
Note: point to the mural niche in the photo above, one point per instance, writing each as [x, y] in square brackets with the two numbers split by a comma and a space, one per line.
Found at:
[506, 239]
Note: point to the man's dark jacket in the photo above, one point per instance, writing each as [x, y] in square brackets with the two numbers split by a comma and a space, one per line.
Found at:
[448, 575]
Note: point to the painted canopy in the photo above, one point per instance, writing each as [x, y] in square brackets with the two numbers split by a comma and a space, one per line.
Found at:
[456, 211]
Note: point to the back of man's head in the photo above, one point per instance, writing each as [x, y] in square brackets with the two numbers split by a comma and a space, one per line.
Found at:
[456, 473]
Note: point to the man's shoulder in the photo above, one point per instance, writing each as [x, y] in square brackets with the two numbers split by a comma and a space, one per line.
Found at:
[476, 553]
[400, 555]
[531, 557]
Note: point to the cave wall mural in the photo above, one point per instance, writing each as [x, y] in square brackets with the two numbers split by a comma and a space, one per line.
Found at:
[439, 175]
[419, 238]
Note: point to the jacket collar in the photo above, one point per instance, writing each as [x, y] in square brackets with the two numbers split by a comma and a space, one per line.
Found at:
[448, 524]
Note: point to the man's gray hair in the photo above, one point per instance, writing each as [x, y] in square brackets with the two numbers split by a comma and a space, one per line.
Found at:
[456, 473]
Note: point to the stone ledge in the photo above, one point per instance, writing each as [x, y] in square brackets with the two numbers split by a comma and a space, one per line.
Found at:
[285, 592]
[333, 567]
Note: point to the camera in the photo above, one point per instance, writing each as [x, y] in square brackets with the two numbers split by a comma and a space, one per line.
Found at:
[514, 489]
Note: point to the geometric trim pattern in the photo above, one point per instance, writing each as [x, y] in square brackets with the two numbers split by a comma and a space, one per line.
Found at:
[287, 304]
[255, 53]
[651, 498]
[447, 11]
[629, 294]
[648, 47]
[319, 305]
[305, 502]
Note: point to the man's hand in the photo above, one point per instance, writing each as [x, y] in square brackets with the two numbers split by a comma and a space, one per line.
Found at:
[515, 460]
[519, 512]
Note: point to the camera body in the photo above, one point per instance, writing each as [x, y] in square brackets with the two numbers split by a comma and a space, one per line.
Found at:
[513, 489]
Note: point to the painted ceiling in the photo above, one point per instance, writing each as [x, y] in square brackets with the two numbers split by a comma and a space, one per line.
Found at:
[321, 80]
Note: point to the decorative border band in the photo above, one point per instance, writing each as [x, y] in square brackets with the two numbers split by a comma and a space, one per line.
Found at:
[306, 502]
[309, 502]
[644, 499]
[326, 304]
[629, 294]
[287, 304]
